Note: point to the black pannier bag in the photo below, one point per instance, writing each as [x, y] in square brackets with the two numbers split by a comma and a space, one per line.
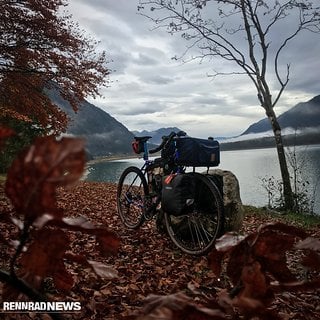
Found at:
[197, 152]
[178, 192]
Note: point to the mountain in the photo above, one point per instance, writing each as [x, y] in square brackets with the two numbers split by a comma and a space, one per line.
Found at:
[300, 125]
[157, 134]
[303, 115]
[104, 134]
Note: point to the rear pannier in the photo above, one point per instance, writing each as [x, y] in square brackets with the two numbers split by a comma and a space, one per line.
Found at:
[178, 192]
[197, 152]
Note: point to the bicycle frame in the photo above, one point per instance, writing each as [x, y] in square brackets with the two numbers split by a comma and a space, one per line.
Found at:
[139, 199]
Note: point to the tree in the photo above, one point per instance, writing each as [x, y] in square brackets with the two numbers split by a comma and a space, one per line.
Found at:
[40, 48]
[235, 23]
[26, 132]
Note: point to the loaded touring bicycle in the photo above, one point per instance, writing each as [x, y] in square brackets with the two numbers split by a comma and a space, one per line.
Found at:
[190, 203]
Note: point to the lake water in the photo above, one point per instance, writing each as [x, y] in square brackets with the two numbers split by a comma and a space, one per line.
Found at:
[249, 166]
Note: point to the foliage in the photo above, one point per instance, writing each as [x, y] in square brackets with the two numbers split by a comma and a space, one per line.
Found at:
[31, 186]
[303, 191]
[258, 270]
[25, 133]
[41, 47]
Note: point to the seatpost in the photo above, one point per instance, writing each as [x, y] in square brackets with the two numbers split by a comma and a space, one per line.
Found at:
[145, 151]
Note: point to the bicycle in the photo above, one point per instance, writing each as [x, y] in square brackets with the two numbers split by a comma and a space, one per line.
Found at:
[140, 196]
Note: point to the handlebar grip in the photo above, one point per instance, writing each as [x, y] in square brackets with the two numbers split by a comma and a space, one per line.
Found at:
[165, 140]
[156, 149]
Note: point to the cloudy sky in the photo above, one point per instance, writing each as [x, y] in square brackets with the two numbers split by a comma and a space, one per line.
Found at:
[149, 90]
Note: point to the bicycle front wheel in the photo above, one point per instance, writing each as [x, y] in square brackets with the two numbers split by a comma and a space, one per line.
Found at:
[131, 197]
[196, 231]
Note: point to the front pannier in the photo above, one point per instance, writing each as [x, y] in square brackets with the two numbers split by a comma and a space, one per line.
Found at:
[197, 152]
[178, 192]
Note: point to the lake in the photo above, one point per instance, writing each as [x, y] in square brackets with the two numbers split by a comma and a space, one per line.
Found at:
[249, 166]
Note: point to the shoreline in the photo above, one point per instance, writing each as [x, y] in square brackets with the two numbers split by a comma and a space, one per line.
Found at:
[112, 158]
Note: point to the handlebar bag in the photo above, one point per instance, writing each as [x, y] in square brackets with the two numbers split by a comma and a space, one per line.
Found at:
[178, 193]
[197, 152]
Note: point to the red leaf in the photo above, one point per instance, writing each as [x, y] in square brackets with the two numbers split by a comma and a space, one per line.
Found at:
[215, 259]
[311, 260]
[34, 175]
[108, 241]
[43, 255]
[62, 279]
[283, 228]
[4, 134]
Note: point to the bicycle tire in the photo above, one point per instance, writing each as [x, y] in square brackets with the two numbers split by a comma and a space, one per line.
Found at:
[195, 232]
[131, 197]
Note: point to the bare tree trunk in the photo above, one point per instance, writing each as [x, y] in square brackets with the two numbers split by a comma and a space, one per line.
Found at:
[287, 190]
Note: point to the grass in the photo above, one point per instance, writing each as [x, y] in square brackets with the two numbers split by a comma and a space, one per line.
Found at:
[306, 221]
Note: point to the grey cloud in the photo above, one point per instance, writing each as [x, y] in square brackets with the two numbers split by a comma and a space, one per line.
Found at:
[145, 60]
[151, 90]
[156, 79]
[144, 108]
[212, 101]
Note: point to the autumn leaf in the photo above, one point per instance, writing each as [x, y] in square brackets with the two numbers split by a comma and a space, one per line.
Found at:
[103, 270]
[228, 242]
[36, 173]
[4, 134]
[45, 252]
[309, 243]
[62, 279]
[283, 228]
[44, 258]
[177, 307]
[108, 241]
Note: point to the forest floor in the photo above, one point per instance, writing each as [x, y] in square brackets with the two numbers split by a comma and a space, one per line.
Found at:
[148, 263]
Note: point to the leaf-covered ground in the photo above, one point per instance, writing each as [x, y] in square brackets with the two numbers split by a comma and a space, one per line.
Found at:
[147, 263]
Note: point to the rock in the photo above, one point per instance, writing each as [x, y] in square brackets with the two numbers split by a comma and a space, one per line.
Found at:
[233, 209]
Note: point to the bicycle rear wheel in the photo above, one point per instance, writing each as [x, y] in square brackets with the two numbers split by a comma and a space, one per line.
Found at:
[196, 231]
[131, 197]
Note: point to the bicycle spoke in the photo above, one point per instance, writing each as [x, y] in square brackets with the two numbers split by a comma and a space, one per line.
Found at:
[132, 189]
[195, 232]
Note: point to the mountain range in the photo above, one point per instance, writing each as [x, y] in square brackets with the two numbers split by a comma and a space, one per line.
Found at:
[156, 134]
[302, 116]
[106, 136]
[299, 125]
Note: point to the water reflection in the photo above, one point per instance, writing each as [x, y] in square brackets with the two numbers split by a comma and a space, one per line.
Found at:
[105, 171]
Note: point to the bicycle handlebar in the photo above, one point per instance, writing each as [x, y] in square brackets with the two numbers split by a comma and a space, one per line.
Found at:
[165, 140]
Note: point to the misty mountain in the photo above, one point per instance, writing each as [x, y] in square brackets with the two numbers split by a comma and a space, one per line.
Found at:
[104, 134]
[303, 115]
[156, 134]
[300, 125]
